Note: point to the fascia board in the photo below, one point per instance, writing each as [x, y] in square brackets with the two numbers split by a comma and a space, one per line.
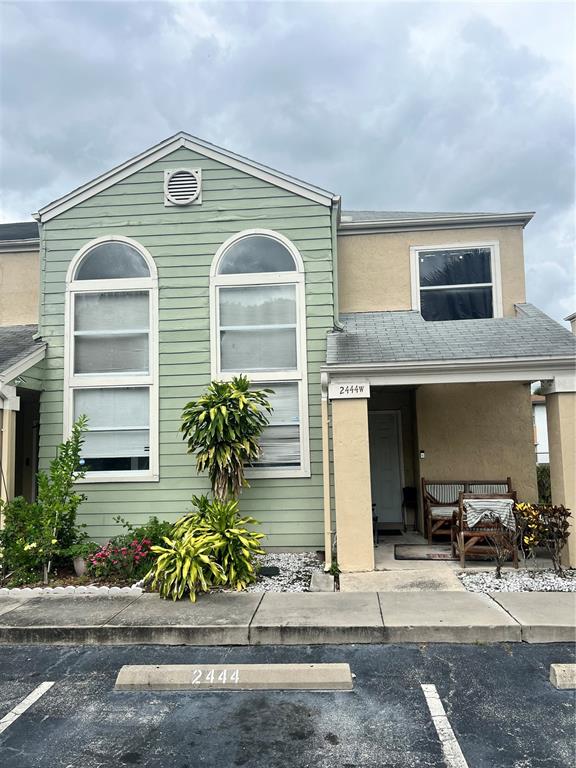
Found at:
[483, 364]
[19, 246]
[159, 151]
[453, 222]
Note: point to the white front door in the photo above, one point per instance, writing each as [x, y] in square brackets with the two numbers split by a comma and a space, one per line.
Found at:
[385, 467]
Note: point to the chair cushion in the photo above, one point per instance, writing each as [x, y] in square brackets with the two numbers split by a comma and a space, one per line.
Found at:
[442, 511]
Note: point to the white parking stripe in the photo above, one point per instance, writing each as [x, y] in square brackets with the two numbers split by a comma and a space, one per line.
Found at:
[15, 713]
[452, 752]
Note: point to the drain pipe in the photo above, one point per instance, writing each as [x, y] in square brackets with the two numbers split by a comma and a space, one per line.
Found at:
[326, 473]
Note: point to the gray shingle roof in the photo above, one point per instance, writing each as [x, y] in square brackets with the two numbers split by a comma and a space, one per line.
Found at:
[16, 343]
[389, 337]
[22, 230]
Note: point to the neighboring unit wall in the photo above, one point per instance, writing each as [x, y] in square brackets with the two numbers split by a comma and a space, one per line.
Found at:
[19, 279]
[183, 242]
[541, 433]
[478, 432]
[374, 270]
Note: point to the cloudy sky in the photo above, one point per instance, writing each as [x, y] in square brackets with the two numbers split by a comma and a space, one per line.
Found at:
[394, 105]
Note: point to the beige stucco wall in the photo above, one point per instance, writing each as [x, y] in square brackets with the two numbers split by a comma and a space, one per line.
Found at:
[352, 494]
[19, 280]
[479, 432]
[374, 270]
[561, 416]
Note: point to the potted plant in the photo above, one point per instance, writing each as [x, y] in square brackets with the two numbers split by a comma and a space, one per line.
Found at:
[79, 552]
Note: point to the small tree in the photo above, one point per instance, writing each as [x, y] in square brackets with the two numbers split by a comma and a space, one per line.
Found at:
[57, 498]
[223, 428]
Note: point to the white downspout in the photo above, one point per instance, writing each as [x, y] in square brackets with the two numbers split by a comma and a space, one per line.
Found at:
[326, 472]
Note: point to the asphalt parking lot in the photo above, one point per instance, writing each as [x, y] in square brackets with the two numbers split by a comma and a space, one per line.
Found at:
[503, 711]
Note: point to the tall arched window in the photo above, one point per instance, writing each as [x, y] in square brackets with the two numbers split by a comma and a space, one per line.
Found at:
[258, 327]
[110, 358]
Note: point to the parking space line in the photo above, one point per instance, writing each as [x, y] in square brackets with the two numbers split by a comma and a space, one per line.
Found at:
[450, 747]
[19, 709]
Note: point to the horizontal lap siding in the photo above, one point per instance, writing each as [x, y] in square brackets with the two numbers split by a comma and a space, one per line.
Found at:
[183, 242]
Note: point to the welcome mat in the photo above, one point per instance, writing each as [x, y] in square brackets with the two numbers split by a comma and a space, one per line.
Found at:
[420, 552]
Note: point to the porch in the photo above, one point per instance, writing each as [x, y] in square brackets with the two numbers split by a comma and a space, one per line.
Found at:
[396, 421]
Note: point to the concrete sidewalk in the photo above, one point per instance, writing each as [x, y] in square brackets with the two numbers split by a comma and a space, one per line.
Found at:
[291, 618]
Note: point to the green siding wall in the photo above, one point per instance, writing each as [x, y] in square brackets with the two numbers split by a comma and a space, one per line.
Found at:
[183, 242]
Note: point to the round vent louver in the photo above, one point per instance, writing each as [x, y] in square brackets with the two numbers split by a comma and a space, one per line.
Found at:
[182, 186]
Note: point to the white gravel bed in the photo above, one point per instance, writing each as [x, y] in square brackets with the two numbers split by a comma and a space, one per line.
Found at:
[519, 581]
[295, 572]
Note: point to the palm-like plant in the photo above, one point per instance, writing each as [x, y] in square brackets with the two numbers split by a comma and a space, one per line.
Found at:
[222, 428]
[233, 544]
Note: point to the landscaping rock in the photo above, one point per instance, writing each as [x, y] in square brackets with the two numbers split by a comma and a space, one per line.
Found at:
[519, 580]
[295, 571]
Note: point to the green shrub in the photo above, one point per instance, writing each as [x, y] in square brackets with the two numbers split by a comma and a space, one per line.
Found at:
[185, 567]
[544, 490]
[21, 557]
[153, 531]
[37, 532]
[233, 544]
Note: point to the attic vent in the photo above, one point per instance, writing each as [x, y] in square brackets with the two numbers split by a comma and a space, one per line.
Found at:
[183, 186]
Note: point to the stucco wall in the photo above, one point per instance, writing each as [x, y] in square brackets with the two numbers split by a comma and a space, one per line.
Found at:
[352, 485]
[374, 270]
[561, 412]
[478, 431]
[19, 280]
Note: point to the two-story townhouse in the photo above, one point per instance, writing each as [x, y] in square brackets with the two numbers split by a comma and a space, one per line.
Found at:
[398, 345]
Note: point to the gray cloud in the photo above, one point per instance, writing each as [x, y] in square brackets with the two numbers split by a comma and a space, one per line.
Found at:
[393, 105]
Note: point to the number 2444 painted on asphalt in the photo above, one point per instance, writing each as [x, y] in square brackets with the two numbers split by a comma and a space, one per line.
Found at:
[210, 676]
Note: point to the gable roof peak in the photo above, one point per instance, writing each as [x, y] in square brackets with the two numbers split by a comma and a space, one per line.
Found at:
[166, 147]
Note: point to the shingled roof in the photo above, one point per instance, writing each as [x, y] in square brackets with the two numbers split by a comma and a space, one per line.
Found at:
[16, 343]
[404, 336]
[21, 230]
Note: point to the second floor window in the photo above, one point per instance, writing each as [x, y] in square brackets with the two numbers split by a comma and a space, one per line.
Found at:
[111, 358]
[258, 329]
[456, 283]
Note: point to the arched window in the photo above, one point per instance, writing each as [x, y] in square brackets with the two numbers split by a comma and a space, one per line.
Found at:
[110, 358]
[258, 327]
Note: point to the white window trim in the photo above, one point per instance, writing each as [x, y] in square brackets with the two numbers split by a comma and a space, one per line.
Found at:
[298, 375]
[493, 245]
[74, 381]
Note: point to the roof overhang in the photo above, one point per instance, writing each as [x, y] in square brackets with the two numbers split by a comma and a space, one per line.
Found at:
[19, 246]
[415, 373]
[164, 148]
[460, 221]
[22, 365]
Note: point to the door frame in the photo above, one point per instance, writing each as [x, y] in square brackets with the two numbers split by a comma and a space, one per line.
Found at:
[397, 413]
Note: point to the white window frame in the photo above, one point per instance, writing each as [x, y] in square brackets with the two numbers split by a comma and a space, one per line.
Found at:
[496, 284]
[298, 375]
[74, 381]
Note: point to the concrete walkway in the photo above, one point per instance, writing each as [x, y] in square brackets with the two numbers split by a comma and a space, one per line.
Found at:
[291, 618]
